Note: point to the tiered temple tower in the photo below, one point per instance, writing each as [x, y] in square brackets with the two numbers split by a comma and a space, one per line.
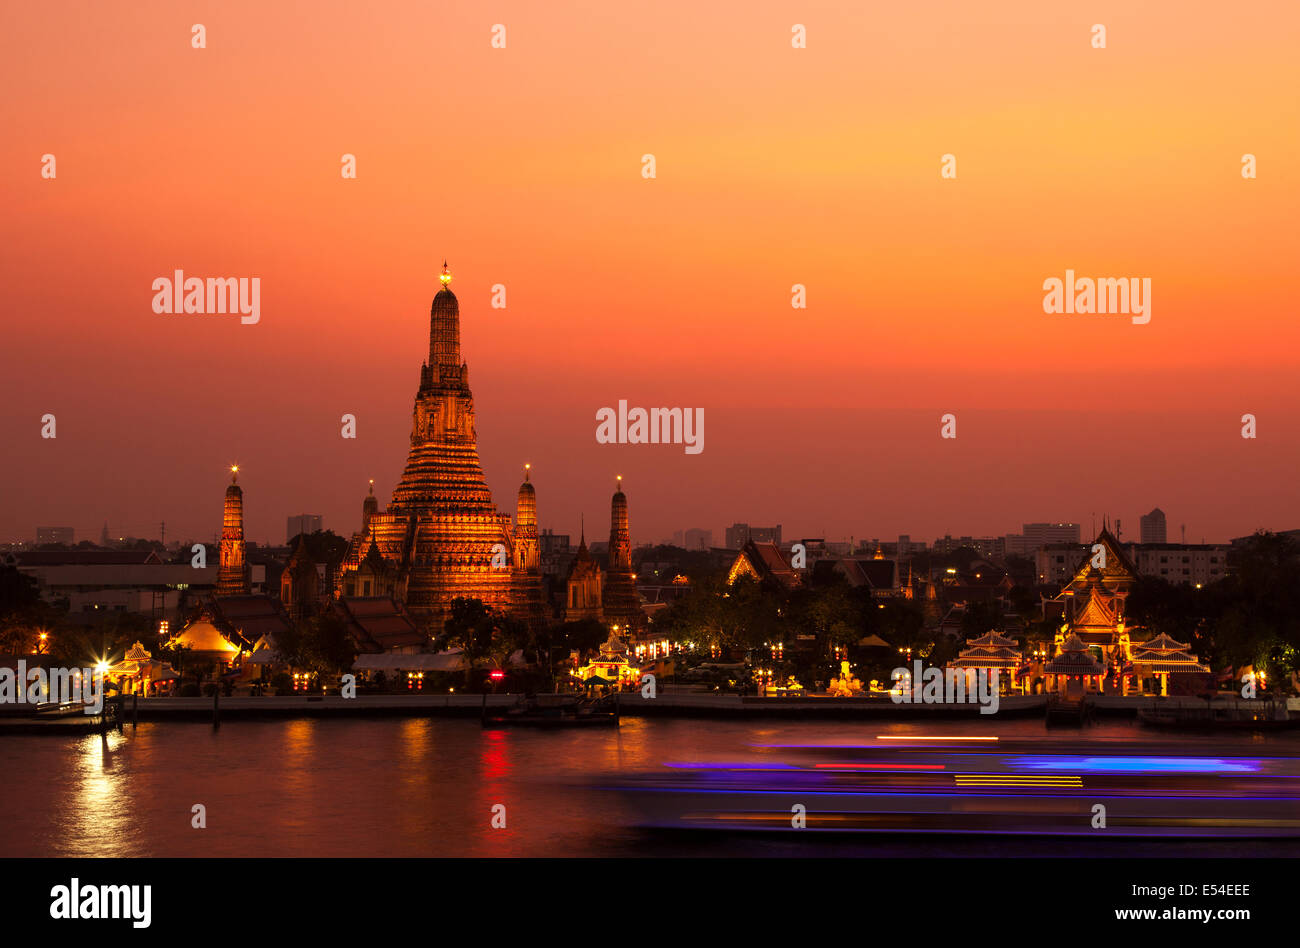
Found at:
[527, 597]
[622, 605]
[233, 576]
[441, 536]
[369, 507]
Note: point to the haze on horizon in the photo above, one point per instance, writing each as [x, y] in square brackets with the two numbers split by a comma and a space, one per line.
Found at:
[775, 166]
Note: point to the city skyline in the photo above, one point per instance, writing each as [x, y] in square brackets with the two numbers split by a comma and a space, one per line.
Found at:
[1087, 528]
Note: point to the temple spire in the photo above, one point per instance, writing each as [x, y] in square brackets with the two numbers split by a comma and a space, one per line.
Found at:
[444, 328]
[233, 574]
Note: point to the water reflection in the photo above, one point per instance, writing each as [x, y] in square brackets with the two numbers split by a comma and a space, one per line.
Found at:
[396, 787]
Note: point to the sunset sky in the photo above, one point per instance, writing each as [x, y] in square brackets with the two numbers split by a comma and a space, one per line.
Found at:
[775, 166]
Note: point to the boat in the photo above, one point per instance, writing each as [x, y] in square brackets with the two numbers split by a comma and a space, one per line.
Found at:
[954, 785]
[561, 710]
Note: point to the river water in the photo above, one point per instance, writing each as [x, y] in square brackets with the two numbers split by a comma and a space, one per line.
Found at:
[428, 786]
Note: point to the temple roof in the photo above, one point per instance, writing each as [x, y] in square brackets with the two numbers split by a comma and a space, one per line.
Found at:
[1167, 664]
[1100, 610]
[248, 618]
[202, 635]
[987, 658]
[612, 648]
[1119, 568]
[378, 624]
[1073, 659]
[994, 639]
[1073, 663]
[137, 653]
[83, 558]
[860, 571]
[764, 562]
[1162, 643]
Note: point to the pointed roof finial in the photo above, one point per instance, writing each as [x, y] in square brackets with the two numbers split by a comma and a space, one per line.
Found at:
[445, 276]
[527, 468]
[234, 473]
[372, 487]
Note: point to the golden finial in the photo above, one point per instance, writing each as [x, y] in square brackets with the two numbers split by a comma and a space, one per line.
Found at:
[372, 486]
[445, 276]
[527, 468]
[234, 473]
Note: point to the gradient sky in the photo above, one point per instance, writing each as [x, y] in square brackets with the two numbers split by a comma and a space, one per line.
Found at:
[775, 166]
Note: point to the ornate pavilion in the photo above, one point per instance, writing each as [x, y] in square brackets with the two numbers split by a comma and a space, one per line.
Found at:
[1093, 648]
[1161, 657]
[991, 651]
[611, 665]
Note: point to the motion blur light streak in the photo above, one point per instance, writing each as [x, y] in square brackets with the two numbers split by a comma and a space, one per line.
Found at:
[881, 766]
[927, 788]
[887, 737]
[1137, 764]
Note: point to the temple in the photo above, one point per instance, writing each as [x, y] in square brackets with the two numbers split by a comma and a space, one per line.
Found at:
[1093, 647]
[233, 576]
[527, 595]
[620, 602]
[442, 537]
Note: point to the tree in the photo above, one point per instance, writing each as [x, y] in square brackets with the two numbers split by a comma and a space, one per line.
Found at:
[979, 618]
[326, 647]
[469, 627]
[582, 635]
[750, 616]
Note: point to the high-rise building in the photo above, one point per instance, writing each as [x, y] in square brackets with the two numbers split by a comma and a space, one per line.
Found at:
[984, 546]
[738, 534]
[55, 535]
[698, 539]
[233, 577]
[303, 523]
[1153, 527]
[1035, 536]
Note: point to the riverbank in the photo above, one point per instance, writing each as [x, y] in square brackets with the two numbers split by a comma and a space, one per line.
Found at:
[630, 704]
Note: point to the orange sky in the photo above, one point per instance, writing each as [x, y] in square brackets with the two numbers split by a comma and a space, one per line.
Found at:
[775, 166]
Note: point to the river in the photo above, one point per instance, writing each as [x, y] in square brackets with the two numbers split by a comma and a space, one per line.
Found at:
[428, 786]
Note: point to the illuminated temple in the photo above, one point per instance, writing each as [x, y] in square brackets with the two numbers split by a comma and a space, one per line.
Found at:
[441, 537]
[1093, 643]
[233, 574]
